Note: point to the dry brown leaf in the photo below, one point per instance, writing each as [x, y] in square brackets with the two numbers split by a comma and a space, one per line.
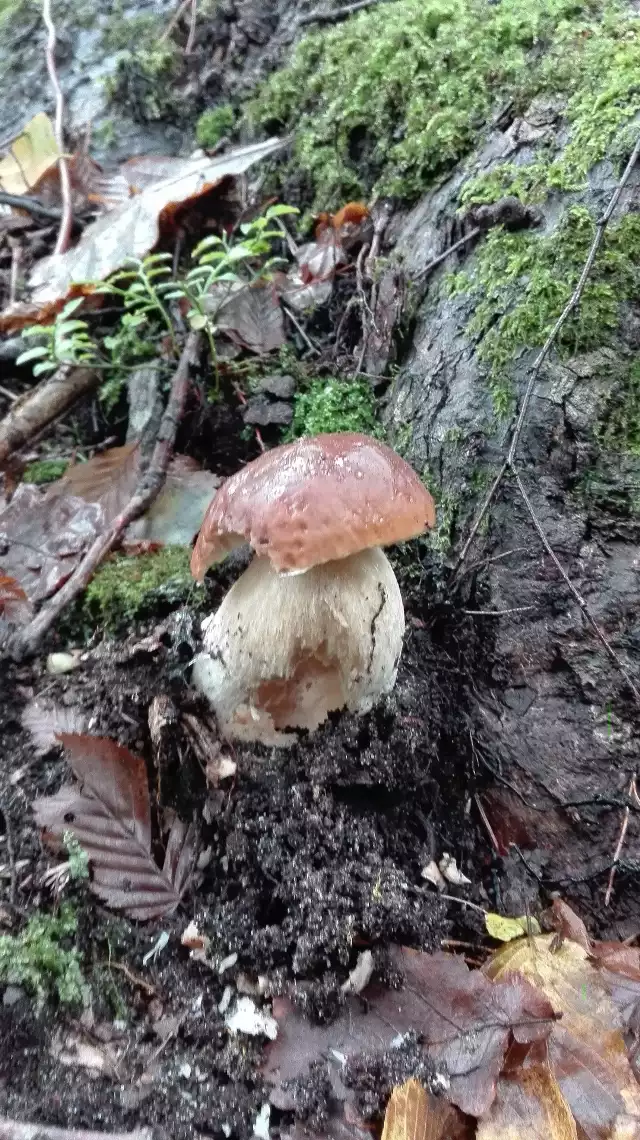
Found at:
[414, 1114]
[108, 479]
[587, 1051]
[252, 317]
[109, 814]
[31, 155]
[528, 1106]
[565, 920]
[175, 517]
[44, 724]
[132, 229]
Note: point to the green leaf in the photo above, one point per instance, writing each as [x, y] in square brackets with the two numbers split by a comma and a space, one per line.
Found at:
[32, 354]
[45, 366]
[198, 321]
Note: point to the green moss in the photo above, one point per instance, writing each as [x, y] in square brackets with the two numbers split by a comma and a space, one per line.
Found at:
[36, 959]
[124, 31]
[213, 125]
[395, 96]
[521, 282]
[143, 82]
[620, 427]
[45, 471]
[127, 588]
[329, 405]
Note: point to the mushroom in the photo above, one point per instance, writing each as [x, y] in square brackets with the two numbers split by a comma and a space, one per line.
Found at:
[316, 622]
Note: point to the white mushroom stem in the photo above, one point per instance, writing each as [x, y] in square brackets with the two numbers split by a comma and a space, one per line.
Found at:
[284, 650]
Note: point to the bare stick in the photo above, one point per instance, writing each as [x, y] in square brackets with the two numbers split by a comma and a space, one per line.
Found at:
[324, 16]
[576, 595]
[31, 205]
[64, 233]
[571, 304]
[16, 1130]
[28, 639]
[42, 405]
[8, 835]
[182, 7]
[471, 236]
[616, 856]
[192, 27]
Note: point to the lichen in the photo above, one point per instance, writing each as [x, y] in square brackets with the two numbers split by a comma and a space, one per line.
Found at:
[126, 588]
[36, 958]
[329, 405]
[45, 471]
[520, 283]
[394, 97]
[214, 125]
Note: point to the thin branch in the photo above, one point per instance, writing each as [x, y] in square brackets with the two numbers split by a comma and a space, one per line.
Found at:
[332, 16]
[31, 205]
[64, 233]
[53, 396]
[571, 304]
[471, 236]
[16, 1130]
[498, 613]
[619, 845]
[509, 463]
[11, 854]
[576, 595]
[192, 27]
[28, 640]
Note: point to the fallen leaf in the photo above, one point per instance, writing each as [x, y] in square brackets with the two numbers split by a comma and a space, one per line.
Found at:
[176, 515]
[15, 607]
[414, 1114]
[252, 317]
[247, 1018]
[108, 479]
[449, 868]
[528, 1106]
[45, 724]
[109, 814]
[586, 1048]
[133, 228]
[30, 156]
[465, 1025]
[563, 919]
[506, 929]
[360, 976]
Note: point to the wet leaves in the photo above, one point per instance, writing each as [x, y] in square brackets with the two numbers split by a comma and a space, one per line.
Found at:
[109, 814]
[133, 227]
[528, 1106]
[31, 155]
[415, 1114]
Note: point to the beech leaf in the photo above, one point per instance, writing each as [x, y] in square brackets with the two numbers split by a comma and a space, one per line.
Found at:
[30, 156]
[506, 929]
[528, 1106]
[109, 815]
[414, 1114]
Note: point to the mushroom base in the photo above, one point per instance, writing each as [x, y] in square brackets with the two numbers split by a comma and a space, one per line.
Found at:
[284, 650]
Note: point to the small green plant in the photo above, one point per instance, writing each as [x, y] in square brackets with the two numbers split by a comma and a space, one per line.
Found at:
[214, 125]
[36, 959]
[45, 471]
[78, 860]
[143, 286]
[330, 405]
[66, 341]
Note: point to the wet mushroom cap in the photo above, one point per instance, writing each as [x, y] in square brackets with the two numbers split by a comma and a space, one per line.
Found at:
[313, 501]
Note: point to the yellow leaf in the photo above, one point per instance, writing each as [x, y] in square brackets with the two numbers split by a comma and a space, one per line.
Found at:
[413, 1114]
[528, 1106]
[32, 154]
[506, 929]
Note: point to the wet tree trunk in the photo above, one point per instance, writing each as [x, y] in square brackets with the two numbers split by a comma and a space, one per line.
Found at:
[552, 714]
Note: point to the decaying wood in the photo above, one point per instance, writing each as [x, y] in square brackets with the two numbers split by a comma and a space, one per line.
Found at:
[42, 405]
[151, 483]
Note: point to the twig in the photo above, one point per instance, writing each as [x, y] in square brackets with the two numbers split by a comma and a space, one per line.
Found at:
[621, 839]
[445, 254]
[43, 405]
[8, 835]
[324, 16]
[306, 338]
[498, 613]
[16, 1130]
[192, 27]
[182, 7]
[31, 205]
[27, 640]
[509, 463]
[576, 595]
[64, 233]
[462, 902]
[16, 255]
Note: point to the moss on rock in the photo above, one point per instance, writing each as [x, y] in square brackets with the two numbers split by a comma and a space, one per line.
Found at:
[521, 282]
[395, 96]
[45, 471]
[214, 124]
[127, 588]
[329, 405]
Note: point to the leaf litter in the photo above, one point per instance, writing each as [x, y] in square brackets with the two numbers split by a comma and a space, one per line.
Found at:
[109, 814]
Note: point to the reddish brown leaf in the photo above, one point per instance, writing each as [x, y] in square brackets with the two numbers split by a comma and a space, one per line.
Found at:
[109, 814]
[10, 591]
[45, 537]
[465, 1025]
[563, 919]
[132, 229]
[252, 317]
[109, 479]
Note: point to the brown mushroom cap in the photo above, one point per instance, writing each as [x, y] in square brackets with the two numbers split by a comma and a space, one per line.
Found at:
[313, 501]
